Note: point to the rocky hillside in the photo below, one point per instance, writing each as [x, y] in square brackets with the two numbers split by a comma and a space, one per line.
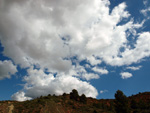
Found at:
[72, 103]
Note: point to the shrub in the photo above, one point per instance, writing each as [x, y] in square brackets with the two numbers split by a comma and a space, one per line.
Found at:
[64, 94]
[74, 95]
[94, 111]
[97, 105]
[83, 99]
[49, 95]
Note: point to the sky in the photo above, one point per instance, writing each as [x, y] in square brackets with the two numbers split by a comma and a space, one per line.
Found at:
[54, 46]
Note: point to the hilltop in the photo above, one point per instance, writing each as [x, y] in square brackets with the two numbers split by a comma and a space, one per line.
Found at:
[72, 103]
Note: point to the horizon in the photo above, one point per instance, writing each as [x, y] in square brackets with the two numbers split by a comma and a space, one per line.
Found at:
[139, 93]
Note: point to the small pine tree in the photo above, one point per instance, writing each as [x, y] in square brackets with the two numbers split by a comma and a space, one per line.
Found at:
[121, 103]
[49, 95]
[83, 99]
[74, 95]
[64, 94]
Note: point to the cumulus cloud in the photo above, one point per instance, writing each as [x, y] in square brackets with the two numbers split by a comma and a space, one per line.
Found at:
[20, 96]
[7, 68]
[134, 68]
[50, 33]
[39, 83]
[89, 76]
[45, 34]
[80, 72]
[126, 75]
[93, 61]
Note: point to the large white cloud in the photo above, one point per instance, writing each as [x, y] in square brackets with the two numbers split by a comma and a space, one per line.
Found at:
[39, 83]
[7, 68]
[48, 33]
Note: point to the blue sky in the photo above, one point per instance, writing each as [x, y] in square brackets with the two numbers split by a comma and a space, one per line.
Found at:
[52, 47]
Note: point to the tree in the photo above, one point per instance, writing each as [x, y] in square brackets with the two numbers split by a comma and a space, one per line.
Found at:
[83, 99]
[121, 103]
[64, 94]
[74, 95]
[49, 95]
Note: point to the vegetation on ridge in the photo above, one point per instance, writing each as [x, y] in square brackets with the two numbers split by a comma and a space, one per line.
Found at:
[73, 103]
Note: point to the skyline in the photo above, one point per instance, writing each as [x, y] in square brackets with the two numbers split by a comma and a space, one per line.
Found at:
[52, 47]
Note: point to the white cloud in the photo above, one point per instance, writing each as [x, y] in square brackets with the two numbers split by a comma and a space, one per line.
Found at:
[100, 70]
[20, 96]
[38, 83]
[145, 2]
[130, 56]
[48, 33]
[7, 68]
[81, 72]
[145, 11]
[36, 35]
[94, 61]
[89, 76]
[134, 68]
[125, 75]
[103, 91]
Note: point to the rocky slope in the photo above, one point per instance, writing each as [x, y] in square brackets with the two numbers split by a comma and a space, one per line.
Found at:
[139, 103]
